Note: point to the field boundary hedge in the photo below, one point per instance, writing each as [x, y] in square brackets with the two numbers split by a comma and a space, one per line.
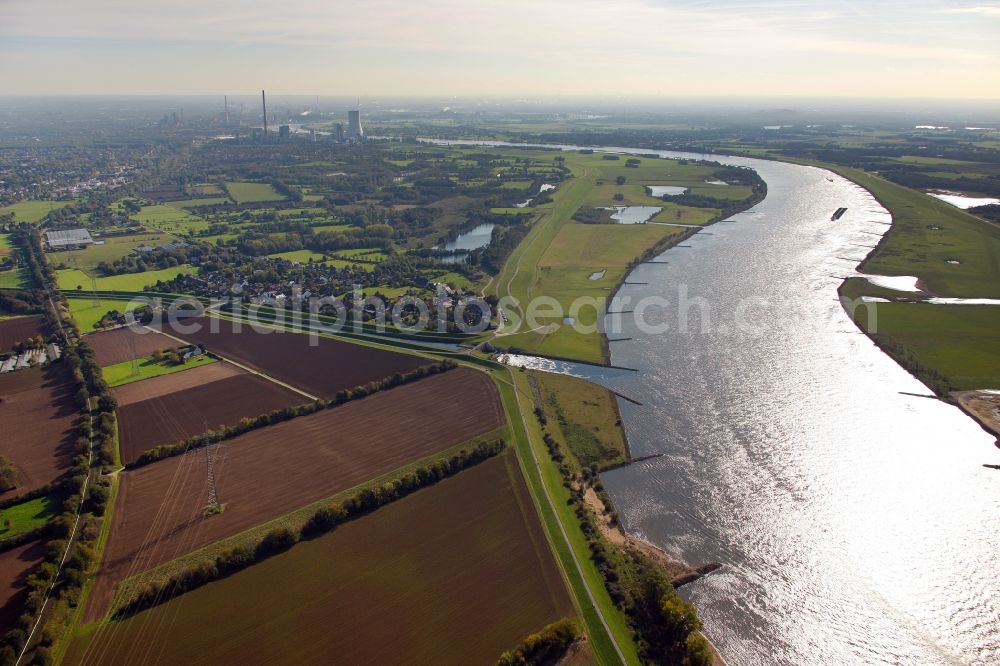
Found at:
[544, 647]
[69, 553]
[287, 413]
[324, 520]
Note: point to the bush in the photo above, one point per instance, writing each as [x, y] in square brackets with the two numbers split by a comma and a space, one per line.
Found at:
[8, 475]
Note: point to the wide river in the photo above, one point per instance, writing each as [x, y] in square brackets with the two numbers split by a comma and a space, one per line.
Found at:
[855, 521]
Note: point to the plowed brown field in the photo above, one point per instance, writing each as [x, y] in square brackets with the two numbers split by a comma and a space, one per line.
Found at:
[451, 575]
[15, 565]
[126, 394]
[19, 329]
[320, 370]
[112, 347]
[272, 471]
[168, 417]
[37, 421]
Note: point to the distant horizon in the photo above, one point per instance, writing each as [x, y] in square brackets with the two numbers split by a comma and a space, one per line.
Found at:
[892, 49]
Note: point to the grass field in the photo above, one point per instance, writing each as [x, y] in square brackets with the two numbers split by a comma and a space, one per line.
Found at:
[330, 227]
[298, 256]
[363, 254]
[26, 516]
[453, 574]
[242, 192]
[125, 373]
[32, 211]
[587, 417]
[86, 313]
[14, 279]
[114, 247]
[957, 341]
[912, 247]
[558, 256]
[194, 203]
[169, 218]
[71, 278]
[6, 245]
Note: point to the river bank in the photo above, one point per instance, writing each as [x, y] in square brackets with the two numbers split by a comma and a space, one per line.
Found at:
[828, 557]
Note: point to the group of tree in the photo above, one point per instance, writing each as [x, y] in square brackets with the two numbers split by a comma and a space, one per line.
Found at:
[8, 475]
[545, 647]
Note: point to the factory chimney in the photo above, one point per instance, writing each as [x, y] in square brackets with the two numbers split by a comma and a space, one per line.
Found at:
[263, 102]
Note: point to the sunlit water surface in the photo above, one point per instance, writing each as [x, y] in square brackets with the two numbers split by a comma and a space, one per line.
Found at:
[855, 521]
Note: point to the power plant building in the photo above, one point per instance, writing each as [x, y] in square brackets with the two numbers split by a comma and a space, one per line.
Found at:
[354, 130]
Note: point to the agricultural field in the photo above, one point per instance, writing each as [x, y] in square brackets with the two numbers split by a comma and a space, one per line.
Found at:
[205, 190]
[171, 408]
[242, 192]
[87, 313]
[71, 278]
[114, 248]
[159, 512]
[28, 515]
[15, 565]
[39, 417]
[459, 564]
[126, 372]
[298, 256]
[15, 279]
[32, 211]
[321, 367]
[19, 329]
[204, 201]
[111, 347]
[169, 218]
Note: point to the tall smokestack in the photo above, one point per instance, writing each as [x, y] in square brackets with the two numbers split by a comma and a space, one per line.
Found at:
[263, 102]
[225, 99]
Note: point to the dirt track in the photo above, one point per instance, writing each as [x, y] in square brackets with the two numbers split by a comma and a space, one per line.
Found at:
[272, 471]
[320, 370]
[113, 346]
[172, 416]
[37, 421]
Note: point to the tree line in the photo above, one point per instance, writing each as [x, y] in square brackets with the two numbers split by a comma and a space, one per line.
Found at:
[66, 592]
[665, 626]
[324, 520]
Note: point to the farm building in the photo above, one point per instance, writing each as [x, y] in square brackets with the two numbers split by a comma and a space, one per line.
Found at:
[68, 239]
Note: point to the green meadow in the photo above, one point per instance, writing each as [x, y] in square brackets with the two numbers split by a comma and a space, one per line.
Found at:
[87, 313]
[32, 211]
[169, 218]
[243, 192]
[126, 373]
[27, 516]
[71, 278]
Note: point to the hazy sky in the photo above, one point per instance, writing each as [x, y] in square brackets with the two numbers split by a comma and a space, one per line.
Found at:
[925, 48]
